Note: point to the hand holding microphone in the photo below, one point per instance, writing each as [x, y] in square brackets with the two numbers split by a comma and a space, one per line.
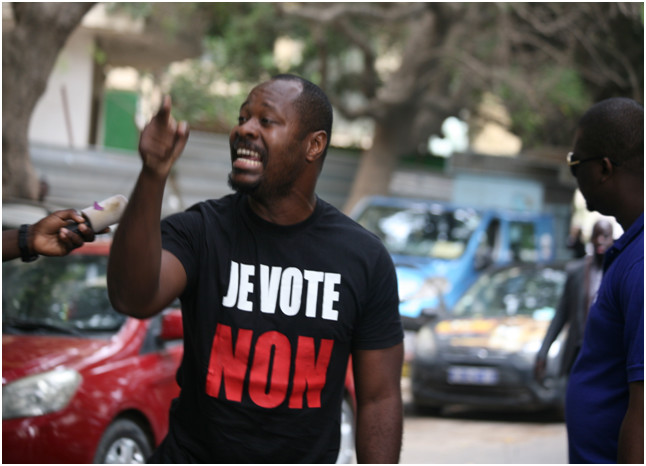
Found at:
[62, 231]
[101, 215]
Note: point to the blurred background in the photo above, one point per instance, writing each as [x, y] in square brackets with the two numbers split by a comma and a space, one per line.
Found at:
[473, 103]
[452, 104]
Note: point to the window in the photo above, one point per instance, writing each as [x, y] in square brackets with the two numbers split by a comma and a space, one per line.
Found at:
[424, 231]
[522, 241]
[65, 293]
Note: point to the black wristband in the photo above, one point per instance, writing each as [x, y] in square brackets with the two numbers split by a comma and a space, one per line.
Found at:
[25, 254]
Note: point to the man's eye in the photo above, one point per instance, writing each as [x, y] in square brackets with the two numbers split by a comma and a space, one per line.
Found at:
[241, 120]
[265, 121]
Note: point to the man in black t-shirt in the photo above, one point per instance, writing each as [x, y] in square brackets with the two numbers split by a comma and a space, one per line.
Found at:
[278, 290]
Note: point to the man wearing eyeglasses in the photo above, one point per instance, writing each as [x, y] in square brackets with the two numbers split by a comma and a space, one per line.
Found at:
[605, 397]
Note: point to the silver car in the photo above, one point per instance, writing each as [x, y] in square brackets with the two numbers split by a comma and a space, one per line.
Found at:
[483, 355]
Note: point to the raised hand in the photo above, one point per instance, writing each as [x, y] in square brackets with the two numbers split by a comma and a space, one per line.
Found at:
[162, 141]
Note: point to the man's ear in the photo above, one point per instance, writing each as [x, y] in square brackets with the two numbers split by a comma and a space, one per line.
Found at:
[316, 145]
[607, 168]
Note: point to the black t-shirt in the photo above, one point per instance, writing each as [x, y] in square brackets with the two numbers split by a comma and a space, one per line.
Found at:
[271, 314]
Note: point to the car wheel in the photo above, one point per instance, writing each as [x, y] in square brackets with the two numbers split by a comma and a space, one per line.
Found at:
[346, 448]
[123, 442]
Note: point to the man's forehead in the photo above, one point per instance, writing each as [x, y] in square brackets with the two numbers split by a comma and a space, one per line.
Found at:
[275, 92]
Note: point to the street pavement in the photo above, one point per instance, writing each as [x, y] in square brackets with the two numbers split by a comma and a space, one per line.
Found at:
[462, 436]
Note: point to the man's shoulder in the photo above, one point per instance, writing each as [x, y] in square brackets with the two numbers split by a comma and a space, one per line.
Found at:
[334, 218]
[203, 213]
[221, 204]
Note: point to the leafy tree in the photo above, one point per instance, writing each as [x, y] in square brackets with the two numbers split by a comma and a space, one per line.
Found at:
[409, 66]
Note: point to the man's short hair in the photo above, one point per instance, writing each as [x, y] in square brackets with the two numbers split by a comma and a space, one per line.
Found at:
[312, 106]
[614, 128]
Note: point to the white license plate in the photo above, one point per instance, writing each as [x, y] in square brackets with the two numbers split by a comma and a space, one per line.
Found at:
[464, 375]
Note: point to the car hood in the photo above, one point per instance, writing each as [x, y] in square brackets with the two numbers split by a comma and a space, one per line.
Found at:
[508, 334]
[24, 355]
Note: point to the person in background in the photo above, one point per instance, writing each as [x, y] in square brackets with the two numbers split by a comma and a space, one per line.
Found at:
[575, 243]
[604, 406]
[278, 289]
[581, 285]
[48, 237]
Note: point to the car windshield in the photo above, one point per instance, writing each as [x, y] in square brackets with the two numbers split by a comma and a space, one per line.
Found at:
[425, 231]
[514, 291]
[65, 295]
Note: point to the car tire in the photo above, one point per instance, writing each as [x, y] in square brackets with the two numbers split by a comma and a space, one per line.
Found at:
[123, 442]
[346, 447]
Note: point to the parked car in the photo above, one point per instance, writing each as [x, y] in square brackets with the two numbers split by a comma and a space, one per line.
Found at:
[15, 214]
[439, 249]
[483, 354]
[82, 383]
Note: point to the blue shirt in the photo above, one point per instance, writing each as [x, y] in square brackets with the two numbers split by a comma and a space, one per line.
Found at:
[612, 355]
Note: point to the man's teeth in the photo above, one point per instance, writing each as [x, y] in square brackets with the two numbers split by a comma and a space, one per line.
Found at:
[249, 157]
[248, 153]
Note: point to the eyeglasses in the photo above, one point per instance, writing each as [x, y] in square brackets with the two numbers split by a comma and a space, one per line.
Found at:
[573, 164]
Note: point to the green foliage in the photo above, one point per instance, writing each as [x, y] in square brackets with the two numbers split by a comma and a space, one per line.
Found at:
[562, 97]
[568, 92]
[248, 31]
[238, 52]
[546, 61]
[136, 10]
[195, 101]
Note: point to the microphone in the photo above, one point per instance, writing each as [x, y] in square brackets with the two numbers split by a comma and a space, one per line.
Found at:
[102, 214]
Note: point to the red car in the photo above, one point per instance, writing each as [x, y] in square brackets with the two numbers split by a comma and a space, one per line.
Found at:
[82, 383]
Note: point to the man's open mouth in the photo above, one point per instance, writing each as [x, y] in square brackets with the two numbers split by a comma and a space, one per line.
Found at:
[247, 159]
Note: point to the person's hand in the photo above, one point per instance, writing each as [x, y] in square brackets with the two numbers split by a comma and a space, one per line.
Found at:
[539, 368]
[162, 141]
[51, 237]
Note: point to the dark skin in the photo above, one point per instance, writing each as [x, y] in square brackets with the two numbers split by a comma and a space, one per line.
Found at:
[49, 236]
[619, 192]
[268, 124]
[279, 168]
[611, 190]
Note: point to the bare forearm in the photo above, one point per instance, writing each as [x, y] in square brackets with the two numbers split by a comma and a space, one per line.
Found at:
[49, 236]
[379, 431]
[135, 258]
[10, 248]
[142, 279]
[631, 435]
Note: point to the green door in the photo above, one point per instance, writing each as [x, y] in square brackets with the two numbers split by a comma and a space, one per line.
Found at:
[120, 131]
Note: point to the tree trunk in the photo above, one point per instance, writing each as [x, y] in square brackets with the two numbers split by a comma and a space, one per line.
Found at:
[29, 51]
[376, 167]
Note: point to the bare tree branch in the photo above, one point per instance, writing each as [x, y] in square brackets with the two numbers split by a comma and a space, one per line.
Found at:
[331, 12]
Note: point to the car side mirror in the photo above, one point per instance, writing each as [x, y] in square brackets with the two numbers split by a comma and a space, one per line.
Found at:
[171, 326]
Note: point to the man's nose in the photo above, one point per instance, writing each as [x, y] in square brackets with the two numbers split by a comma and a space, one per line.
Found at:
[248, 128]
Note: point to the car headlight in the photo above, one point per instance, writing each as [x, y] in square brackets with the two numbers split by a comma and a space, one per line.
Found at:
[425, 344]
[39, 394]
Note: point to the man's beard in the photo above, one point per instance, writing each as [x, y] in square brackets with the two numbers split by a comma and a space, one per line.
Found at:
[243, 188]
[260, 189]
